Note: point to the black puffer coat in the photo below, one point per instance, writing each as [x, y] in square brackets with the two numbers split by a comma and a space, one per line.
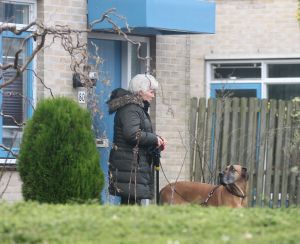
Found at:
[131, 176]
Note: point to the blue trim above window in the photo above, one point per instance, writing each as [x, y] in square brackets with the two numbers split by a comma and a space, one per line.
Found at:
[235, 86]
[153, 17]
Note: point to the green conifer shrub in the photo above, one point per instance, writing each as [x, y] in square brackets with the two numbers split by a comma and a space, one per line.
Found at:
[58, 160]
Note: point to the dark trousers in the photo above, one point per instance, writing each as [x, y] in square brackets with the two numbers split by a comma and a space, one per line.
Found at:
[130, 201]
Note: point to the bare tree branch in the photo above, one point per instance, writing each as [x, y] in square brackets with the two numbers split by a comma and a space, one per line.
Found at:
[43, 83]
[8, 149]
[12, 118]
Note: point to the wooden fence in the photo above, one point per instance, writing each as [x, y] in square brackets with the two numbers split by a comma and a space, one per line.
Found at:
[262, 135]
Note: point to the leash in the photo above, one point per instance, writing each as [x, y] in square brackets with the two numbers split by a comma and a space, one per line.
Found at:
[134, 165]
[157, 184]
[205, 203]
[232, 192]
[174, 190]
[183, 162]
[170, 184]
[156, 165]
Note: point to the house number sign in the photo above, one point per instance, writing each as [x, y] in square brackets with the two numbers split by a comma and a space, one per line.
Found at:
[81, 96]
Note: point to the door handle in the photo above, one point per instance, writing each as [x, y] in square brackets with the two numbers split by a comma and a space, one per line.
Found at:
[102, 142]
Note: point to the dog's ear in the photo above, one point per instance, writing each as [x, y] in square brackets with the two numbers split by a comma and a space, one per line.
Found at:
[245, 173]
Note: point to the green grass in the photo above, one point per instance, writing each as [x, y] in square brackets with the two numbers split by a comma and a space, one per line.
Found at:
[43, 223]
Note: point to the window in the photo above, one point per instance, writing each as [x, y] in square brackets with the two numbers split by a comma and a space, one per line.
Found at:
[236, 70]
[283, 70]
[14, 96]
[283, 80]
[138, 66]
[284, 92]
[16, 99]
[130, 64]
[20, 12]
[277, 79]
[14, 13]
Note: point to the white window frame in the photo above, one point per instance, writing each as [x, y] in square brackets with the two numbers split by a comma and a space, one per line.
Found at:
[264, 80]
[32, 10]
[281, 80]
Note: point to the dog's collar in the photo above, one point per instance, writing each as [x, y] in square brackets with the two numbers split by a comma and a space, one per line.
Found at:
[235, 190]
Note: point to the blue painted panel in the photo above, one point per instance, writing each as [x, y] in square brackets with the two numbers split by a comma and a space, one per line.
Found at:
[110, 78]
[178, 15]
[12, 35]
[29, 86]
[133, 10]
[235, 86]
[1, 80]
[151, 17]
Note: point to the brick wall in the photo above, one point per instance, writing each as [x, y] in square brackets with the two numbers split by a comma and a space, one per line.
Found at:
[245, 28]
[54, 61]
[172, 72]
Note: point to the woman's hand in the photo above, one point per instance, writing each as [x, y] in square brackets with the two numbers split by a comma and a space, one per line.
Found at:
[161, 143]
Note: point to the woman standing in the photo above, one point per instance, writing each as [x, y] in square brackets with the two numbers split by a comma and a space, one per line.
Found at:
[131, 172]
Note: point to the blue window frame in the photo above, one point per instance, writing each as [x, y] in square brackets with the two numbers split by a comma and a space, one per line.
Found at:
[26, 96]
[239, 87]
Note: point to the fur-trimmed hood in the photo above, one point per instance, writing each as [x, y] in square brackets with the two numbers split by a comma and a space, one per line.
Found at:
[121, 97]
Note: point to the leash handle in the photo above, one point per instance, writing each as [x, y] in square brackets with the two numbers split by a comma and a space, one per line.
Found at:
[157, 183]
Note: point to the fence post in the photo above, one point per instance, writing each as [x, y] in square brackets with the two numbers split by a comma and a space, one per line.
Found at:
[286, 154]
[261, 157]
[225, 135]
[199, 174]
[193, 135]
[270, 150]
[251, 146]
[243, 129]
[297, 153]
[208, 141]
[278, 152]
[217, 140]
[234, 132]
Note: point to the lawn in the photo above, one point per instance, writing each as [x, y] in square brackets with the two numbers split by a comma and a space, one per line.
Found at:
[44, 223]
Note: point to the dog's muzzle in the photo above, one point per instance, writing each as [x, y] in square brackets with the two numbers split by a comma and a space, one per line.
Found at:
[221, 179]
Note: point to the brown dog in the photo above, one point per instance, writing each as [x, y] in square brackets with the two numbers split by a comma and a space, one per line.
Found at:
[231, 192]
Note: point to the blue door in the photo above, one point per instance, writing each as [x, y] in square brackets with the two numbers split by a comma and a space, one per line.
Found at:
[105, 55]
